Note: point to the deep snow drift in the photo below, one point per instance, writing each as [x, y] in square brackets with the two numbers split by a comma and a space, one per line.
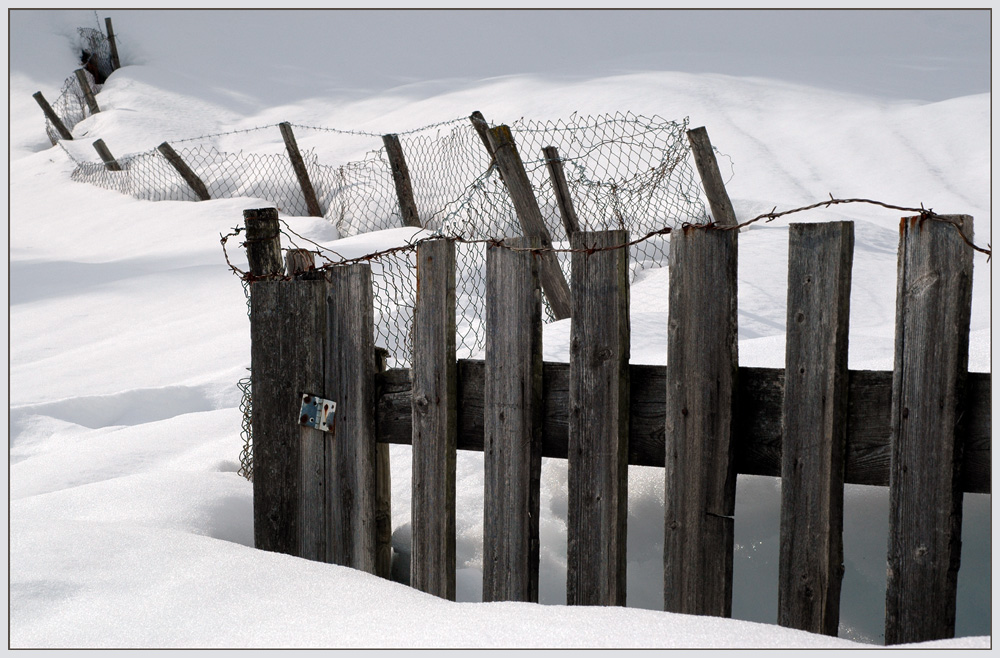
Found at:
[129, 526]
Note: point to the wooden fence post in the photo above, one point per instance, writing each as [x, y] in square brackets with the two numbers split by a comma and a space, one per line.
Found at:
[435, 418]
[711, 179]
[51, 115]
[299, 165]
[185, 171]
[401, 178]
[350, 383]
[701, 387]
[115, 62]
[933, 307]
[512, 423]
[598, 422]
[561, 189]
[814, 426]
[526, 206]
[109, 160]
[88, 93]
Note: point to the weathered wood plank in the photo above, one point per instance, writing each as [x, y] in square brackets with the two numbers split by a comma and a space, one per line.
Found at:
[757, 435]
[185, 171]
[598, 422]
[571, 223]
[51, 115]
[110, 163]
[115, 61]
[383, 484]
[299, 166]
[401, 179]
[434, 413]
[263, 242]
[814, 426]
[700, 470]
[88, 91]
[299, 261]
[711, 178]
[526, 207]
[933, 308]
[512, 424]
[350, 382]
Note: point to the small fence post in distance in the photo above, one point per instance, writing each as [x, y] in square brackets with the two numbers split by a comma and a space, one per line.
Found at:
[814, 426]
[933, 310]
[711, 179]
[115, 62]
[401, 178]
[435, 421]
[512, 423]
[88, 93]
[561, 189]
[598, 421]
[526, 206]
[299, 165]
[51, 115]
[109, 160]
[700, 473]
[185, 171]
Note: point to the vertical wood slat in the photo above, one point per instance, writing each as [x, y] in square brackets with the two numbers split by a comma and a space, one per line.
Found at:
[814, 426]
[51, 115]
[184, 170]
[401, 178]
[530, 217]
[598, 422]
[933, 309]
[88, 92]
[299, 166]
[561, 190]
[435, 420]
[700, 472]
[512, 423]
[350, 382]
[383, 486]
[115, 62]
[711, 179]
[110, 163]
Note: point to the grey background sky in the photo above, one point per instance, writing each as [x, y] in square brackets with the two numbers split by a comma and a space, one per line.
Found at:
[911, 54]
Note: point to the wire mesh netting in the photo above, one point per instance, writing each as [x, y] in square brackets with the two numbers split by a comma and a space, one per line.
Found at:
[71, 104]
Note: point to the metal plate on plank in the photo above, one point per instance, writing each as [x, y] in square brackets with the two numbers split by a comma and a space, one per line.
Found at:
[317, 413]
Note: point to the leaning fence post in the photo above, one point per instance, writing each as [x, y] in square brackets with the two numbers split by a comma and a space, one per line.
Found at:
[185, 171]
[109, 160]
[88, 93]
[350, 383]
[115, 62]
[814, 426]
[526, 206]
[401, 179]
[435, 421]
[561, 190]
[933, 308]
[598, 421]
[700, 496]
[512, 423]
[711, 179]
[299, 165]
[51, 115]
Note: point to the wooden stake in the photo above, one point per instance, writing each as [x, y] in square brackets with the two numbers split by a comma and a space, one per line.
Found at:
[88, 93]
[52, 116]
[115, 62]
[312, 204]
[401, 178]
[561, 190]
[185, 171]
[109, 160]
[711, 179]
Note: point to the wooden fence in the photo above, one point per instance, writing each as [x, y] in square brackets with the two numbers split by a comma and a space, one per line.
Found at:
[923, 429]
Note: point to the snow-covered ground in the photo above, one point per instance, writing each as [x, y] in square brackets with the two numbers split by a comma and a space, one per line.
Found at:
[129, 526]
